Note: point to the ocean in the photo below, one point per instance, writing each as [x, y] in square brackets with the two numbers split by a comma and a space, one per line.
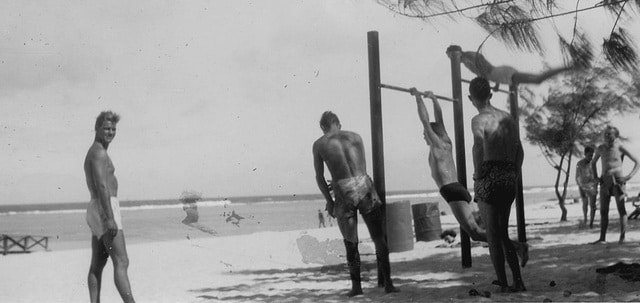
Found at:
[162, 220]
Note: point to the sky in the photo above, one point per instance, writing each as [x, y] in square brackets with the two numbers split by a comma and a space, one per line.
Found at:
[224, 97]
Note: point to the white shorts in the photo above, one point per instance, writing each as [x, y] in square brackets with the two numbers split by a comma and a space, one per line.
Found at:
[96, 216]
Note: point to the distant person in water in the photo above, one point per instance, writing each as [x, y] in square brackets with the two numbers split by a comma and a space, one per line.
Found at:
[504, 74]
[612, 179]
[443, 172]
[497, 159]
[587, 185]
[321, 219]
[103, 213]
[343, 153]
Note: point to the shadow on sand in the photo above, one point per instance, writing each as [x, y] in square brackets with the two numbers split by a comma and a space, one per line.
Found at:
[556, 271]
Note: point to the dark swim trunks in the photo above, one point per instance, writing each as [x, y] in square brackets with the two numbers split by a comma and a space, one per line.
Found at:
[612, 186]
[455, 192]
[495, 182]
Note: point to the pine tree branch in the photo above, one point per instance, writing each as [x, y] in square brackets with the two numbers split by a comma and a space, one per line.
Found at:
[575, 23]
[617, 19]
[531, 20]
[456, 11]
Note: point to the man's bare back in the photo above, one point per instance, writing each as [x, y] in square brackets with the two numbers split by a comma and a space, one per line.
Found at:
[343, 152]
[496, 134]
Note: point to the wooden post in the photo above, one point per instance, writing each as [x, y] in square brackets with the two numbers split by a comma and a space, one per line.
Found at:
[376, 115]
[377, 147]
[454, 52]
[513, 106]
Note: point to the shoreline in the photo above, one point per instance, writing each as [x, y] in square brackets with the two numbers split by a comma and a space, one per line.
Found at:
[307, 265]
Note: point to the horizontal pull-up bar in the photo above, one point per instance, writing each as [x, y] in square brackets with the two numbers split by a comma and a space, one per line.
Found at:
[406, 90]
[492, 89]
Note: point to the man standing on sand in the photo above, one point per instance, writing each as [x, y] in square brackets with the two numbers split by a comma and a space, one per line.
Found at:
[587, 185]
[497, 159]
[612, 181]
[443, 171]
[343, 153]
[103, 213]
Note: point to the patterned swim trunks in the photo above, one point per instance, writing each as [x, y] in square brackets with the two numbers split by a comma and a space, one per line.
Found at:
[495, 182]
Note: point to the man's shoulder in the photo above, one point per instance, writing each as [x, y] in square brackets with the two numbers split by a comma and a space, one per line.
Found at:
[319, 142]
[97, 152]
[349, 133]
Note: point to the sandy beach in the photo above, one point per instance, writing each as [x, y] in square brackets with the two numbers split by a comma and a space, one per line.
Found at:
[307, 265]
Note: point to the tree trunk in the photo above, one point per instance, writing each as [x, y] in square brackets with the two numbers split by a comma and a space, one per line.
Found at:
[560, 197]
[564, 190]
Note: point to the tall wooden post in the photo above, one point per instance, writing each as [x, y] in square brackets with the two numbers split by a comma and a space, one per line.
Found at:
[376, 115]
[454, 52]
[377, 147]
[513, 106]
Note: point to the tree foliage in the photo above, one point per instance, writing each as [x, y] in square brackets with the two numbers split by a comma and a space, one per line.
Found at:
[515, 22]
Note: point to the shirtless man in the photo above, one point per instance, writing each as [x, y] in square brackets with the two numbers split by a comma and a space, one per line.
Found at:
[587, 185]
[343, 153]
[497, 158]
[612, 181]
[103, 213]
[504, 74]
[443, 172]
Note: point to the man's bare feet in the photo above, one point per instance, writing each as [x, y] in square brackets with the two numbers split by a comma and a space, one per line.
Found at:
[391, 289]
[599, 242]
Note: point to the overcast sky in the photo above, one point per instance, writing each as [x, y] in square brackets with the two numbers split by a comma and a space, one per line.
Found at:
[222, 97]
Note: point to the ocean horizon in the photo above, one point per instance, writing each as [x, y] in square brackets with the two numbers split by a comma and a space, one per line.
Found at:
[71, 207]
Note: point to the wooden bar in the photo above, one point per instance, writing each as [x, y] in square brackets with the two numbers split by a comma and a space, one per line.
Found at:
[455, 53]
[402, 89]
[513, 106]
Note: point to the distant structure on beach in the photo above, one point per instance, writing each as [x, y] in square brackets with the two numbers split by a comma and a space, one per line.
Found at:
[189, 201]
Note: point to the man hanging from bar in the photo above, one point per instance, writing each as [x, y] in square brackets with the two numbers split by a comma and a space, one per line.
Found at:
[343, 152]
[444, 173]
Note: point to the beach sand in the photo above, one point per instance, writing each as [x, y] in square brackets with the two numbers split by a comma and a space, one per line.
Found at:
[308, 266]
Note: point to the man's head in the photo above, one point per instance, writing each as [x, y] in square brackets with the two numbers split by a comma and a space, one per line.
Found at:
[611, 133]
[106, 126]
[588, 152]
[479, 91]
[329, 119]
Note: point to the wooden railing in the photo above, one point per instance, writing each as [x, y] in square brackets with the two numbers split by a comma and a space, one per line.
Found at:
[22, 243]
